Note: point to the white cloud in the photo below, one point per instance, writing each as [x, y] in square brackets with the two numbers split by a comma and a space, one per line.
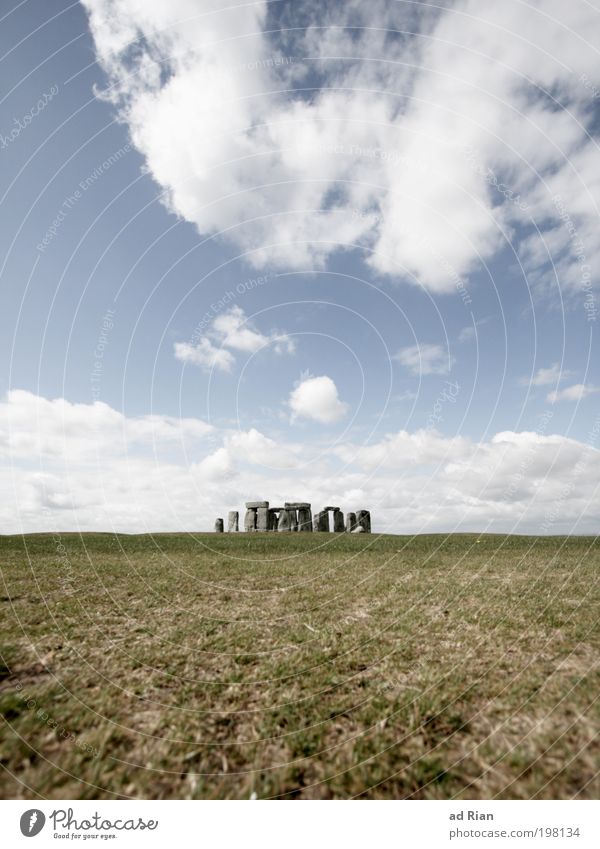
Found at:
[519, 482]
[235, 330]
[217, 466]
[577, 392]
[425, 359]
[317, 398]
[32, 426]
[432, 182]
[405, 395]
[87, 466]
[398, 450]
[547, 376]
[231, 329]
[254, 447]
[467, 333]
[204, 354]
[470, 331]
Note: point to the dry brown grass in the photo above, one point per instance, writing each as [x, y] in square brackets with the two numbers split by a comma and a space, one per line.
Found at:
[226, 666]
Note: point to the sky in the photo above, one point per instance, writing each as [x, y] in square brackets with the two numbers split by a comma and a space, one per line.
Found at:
[335, 252]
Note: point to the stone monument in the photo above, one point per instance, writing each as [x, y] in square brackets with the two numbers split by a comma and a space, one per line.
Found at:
[296, 516]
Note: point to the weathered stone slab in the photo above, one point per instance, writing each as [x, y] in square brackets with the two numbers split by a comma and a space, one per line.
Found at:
[338, 522]
[305, 519]
[350, 522]
[218, 526]
[297, 505]
[272, 519]
[293, 519]
[233, 521]
[363, 518]
[284, 523]
[254, 505]
[262, 519]
[250, 520]
[331, 508]
[321, 522]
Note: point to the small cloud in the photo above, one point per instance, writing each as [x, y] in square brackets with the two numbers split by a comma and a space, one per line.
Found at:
[205, 355]
[467, 333]
[282, 344]
[231, 329]
[577, 392]
[317, 398]
[425, 359]
[547, 376]
[470, 331]
[234, 330]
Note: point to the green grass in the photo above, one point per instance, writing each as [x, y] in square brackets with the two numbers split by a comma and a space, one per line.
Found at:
[299, 665]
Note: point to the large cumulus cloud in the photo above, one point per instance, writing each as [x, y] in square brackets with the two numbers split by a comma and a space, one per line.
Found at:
[429, 139]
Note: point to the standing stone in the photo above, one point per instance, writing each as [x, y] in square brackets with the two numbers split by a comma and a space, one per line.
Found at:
[250, 520]
[363, 518]
[305, 519]
[219, 526]
[303, 513]
[272, 520]
[284, 523]
[338, 522]
[293, 520]
[233, 521]
[262, 519]
[322, 521]
[350, 522]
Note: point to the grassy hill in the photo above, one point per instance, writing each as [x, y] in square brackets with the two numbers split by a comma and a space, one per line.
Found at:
[299, 665]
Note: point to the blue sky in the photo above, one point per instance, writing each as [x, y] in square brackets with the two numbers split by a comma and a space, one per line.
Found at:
[298, 250]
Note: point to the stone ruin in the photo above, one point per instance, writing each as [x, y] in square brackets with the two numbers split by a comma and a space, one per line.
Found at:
[296, 516]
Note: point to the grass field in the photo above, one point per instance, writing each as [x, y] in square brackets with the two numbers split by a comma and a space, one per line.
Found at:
[299, 665]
